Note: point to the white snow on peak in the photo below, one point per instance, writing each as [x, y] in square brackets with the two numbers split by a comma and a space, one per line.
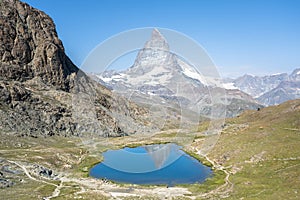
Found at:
[106, 80]
[276, 74]
[116, 77]
[189, 71]
[151, 93]
[298, 72]
[229, 86]
[150, 78]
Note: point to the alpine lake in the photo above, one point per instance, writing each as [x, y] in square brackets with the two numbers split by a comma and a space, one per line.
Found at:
[156, 164]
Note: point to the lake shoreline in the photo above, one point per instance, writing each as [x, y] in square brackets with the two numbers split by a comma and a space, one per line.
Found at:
[154, 164]
[216, 177]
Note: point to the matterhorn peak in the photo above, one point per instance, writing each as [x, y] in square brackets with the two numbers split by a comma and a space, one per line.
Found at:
[155, 55]
[157, 41]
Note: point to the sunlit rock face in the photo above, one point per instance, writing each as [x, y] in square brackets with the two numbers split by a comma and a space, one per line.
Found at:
[154, 64]
[31, 48]
[159, 78]
[43, 93]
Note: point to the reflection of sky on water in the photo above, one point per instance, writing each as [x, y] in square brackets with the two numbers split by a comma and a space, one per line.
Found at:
[142, 159]
[151, 164]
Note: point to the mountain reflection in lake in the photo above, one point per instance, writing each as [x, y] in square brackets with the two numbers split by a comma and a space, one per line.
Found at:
[151, 164]
[159, 153]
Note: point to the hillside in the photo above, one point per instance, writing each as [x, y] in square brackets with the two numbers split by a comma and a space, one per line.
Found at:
[256, 157]
[43, 94]
[261, 151]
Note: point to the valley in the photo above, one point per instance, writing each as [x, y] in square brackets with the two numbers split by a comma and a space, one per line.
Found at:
[263, 159]
[56, 122]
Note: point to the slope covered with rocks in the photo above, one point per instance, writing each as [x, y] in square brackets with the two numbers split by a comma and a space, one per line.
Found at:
[43, 93]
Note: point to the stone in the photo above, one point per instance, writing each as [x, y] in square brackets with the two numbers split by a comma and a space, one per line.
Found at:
[42, 93]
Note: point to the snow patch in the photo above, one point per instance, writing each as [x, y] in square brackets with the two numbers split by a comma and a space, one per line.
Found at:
[116, 77]
[106, 80]
[151, 93]
[191, 72]
[276, 74]
[229, 86]
[151, 78]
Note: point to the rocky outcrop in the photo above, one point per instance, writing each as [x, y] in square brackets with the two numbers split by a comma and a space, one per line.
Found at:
[25, 113]
[43, 93]
[30, 47]
[44, 172]
[9, 174]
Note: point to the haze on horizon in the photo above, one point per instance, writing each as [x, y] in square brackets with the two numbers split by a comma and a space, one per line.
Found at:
[253, 37]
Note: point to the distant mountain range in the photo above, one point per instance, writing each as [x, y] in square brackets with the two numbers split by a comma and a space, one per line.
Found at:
[159, 77]
[271, 89]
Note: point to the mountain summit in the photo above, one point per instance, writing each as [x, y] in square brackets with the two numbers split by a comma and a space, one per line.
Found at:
[157, 42]
[154, 59]
[43, 93]
[159, 77]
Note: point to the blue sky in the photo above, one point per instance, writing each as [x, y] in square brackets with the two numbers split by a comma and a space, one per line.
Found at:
[241, 36]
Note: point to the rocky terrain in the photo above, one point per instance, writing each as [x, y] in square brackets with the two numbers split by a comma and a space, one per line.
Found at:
[270, 89]
[43, 93]
[256, 157]
[159, 77]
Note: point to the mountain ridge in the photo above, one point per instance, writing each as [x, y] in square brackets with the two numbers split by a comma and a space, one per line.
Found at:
[270, 89]
[43, 93]
[162, 78]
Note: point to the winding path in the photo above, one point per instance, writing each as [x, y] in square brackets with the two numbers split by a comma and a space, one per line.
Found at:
[55, 193]
[223, 189]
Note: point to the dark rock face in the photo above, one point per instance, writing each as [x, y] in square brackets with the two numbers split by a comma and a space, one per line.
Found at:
[43, 171]
[28, 115]
[30, 47]
[9, 174]
[43, 93]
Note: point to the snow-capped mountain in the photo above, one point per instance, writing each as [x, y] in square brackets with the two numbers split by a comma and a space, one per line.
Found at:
[295, 76]
[159, 77]
[286, 90]
[256, 86]
[272, 89]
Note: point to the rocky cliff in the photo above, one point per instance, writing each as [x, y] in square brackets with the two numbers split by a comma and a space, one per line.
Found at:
[30, 47]
[43, 93]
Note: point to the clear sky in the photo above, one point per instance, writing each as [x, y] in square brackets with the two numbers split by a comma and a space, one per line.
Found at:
[241, 36]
